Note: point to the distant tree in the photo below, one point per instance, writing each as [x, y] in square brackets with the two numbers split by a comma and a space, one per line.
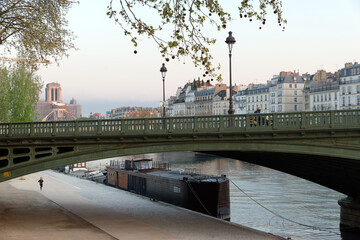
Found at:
[184, 19]
[19, 92]
[141, 113]
[35, 29]
[193, 85]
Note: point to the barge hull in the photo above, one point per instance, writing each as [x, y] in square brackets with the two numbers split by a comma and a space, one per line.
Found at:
[208, 197]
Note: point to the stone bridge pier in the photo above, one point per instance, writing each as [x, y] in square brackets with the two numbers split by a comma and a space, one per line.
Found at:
[349, 213]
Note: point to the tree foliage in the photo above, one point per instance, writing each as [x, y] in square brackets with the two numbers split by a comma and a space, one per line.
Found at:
[142, 113]
[35, 29]
[186, 18]
[19, 92]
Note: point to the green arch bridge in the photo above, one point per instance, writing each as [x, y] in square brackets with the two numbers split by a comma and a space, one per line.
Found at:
[323, 147]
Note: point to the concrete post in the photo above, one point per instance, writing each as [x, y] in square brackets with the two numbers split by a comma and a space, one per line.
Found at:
[349, 213]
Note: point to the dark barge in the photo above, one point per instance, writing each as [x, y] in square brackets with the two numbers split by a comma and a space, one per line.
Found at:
[202, 193]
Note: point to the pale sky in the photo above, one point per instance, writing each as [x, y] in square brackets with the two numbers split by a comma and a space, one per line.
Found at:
[105, 73]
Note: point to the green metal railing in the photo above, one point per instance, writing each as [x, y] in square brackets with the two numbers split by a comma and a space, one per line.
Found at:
[190, 124]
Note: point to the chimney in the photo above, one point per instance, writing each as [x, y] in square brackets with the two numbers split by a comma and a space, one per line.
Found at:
[348, 64]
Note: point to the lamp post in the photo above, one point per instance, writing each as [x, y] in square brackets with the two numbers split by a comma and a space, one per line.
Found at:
[163, 71]
[230, 40]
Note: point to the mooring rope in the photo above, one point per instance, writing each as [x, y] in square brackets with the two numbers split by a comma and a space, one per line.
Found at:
[282, 217]
[197, 197]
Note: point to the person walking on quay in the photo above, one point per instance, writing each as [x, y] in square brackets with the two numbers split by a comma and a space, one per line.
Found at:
[41, 182]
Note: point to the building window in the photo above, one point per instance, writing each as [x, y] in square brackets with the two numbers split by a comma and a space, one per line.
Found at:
[290, 85]
[317, 98]
[295, 99]
[349, 89]
[295, 108]
[295, 92]
[330, 96]
[343, 101]
[343, 89]
[295, 85]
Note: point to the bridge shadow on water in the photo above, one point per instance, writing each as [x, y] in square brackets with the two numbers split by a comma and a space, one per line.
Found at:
[335, 173]
[338, 174]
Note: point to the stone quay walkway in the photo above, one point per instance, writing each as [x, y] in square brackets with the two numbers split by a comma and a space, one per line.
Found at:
[72, 208]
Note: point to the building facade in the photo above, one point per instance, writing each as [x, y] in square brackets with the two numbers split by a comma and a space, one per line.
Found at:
[240, 102]
[203, 101]
[258, 97]
[285, 92]
[350, 86]
[321, 92]
[220, 103]
[290, 87]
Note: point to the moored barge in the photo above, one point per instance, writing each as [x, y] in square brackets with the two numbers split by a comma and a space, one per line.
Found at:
[202, 193]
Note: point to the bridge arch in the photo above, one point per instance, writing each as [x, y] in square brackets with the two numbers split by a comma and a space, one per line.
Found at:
[326, 138]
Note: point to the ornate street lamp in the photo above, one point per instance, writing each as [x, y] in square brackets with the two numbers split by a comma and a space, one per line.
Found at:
[230, 40]
[163, 71]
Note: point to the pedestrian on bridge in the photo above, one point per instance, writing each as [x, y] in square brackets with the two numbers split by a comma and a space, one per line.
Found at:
[258, 110]
[41, 182]
[257, 119]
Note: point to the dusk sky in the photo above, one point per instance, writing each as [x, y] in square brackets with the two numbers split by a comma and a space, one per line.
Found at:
[105, 73]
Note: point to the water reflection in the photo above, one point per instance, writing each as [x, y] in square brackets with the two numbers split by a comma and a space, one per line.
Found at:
[296, 199]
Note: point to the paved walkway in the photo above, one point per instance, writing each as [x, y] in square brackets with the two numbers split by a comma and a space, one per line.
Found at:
[71, 208]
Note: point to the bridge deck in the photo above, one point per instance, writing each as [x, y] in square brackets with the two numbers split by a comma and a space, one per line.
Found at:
[205, 124]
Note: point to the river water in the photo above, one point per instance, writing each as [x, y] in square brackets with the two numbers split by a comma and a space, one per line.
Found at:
[269, 200]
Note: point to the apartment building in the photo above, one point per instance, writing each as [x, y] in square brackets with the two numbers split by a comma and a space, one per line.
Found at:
[350, 86]
[285, 92]
[321, 92]
[257, 96]
[221, 103]
[289, 92]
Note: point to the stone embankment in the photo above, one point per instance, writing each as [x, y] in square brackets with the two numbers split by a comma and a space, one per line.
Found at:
[72, 208]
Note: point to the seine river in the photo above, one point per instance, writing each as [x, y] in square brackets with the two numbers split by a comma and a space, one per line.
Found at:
[269, 200]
